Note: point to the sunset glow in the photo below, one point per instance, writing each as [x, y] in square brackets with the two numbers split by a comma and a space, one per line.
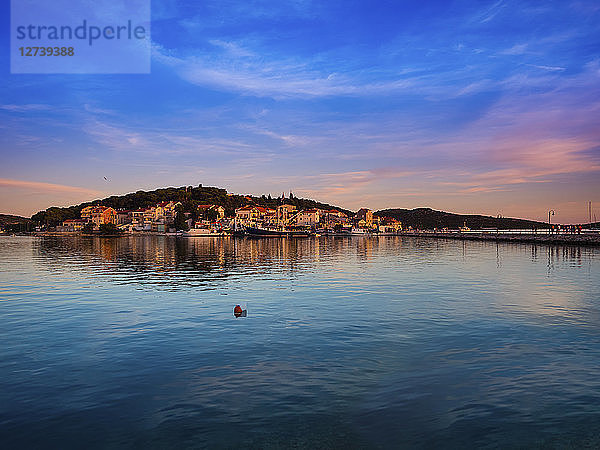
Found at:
[490, 109]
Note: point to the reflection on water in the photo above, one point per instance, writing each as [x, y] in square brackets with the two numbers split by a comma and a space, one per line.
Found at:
[348, 342]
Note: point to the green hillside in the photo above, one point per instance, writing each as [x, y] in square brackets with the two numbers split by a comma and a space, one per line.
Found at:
[189, 196]
[428, 219]
[9, 219]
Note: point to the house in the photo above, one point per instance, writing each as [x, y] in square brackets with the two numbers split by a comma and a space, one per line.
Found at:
[124, 217]
[251, 215]
[137, 218]
[86, 213]
[333, 217]
[389, 225]
[308, 217]
[104, 216]
[73, 225]
[285, 213]
[99, 215]
[165, 212]
[155, 218]
[149, 216]
[364, 218]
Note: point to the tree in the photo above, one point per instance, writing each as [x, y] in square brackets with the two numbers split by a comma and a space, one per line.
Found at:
[109, 228]
[211, 215]
[180, 223]
[88, 228]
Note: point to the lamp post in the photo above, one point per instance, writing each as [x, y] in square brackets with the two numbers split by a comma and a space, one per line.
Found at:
[550, 213]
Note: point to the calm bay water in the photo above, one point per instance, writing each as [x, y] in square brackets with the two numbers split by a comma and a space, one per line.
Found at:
[349, 343]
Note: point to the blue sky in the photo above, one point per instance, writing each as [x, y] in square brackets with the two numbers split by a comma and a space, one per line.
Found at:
[486, 107]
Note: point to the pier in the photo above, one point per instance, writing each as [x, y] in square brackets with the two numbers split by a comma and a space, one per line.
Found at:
[541, 236]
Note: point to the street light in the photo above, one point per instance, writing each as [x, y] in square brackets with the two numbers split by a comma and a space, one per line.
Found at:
[550, 213]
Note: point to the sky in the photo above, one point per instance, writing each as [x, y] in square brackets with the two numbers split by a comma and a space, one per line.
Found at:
[488, 107]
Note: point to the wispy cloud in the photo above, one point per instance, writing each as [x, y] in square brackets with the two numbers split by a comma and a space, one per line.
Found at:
[486, 15]
[517, 49]
[275, 77]
[32, 107]
[158, 141]
[41, 187]
[549, 68]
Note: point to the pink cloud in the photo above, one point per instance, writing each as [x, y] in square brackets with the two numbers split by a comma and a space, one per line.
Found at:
[41, 187]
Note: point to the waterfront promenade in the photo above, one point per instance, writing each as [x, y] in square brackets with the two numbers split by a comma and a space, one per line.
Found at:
[583, 238]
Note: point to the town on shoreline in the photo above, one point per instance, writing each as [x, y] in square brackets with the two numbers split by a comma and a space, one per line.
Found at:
[212, 220]
[213, 211]
[286, 220]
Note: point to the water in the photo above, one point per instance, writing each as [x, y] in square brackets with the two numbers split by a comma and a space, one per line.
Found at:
[349, 343]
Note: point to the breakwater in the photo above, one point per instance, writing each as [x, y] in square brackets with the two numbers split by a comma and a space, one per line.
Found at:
[589, 238]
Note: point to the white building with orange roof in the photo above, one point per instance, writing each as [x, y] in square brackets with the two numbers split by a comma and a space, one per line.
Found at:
[250, 215]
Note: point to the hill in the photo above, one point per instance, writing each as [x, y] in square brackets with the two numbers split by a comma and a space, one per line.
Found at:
[9, 219]
[189, 196]
[428, 219]
[15, 224]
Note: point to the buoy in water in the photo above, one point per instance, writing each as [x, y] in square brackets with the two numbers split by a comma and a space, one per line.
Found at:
[237, 311]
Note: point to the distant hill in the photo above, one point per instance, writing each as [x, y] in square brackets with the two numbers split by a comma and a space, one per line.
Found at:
[9, 219]
[428, 219]
[189, 196]
[15, 224]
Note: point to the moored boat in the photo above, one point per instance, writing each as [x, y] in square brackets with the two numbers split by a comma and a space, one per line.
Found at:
[203, 232]
[271, 232]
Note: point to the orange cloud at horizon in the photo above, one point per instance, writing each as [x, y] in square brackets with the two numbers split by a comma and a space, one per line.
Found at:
[24, 197]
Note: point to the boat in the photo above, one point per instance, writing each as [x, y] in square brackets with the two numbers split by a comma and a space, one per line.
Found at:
[273, 232]
[203, 232]
[360, 232]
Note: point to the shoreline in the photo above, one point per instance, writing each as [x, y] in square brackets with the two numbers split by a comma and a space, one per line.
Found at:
[573, 239]
[590, 239]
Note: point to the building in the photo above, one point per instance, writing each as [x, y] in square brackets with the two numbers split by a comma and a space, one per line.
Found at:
[285, 213]
[104, 217]
[124, 217]
[364, 218]
[86, 213]
[333, 217]
[155, 218]
[73, 225]
[137, 219]
[308, 218]
[389, 225]
[205, 211]
[99, 215]
[149, 216]
[251, 215]
[165, 212]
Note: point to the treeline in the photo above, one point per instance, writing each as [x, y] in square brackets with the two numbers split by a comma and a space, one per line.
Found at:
[189, 196]
[15, 224]
[428, 219]
[10, 219]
